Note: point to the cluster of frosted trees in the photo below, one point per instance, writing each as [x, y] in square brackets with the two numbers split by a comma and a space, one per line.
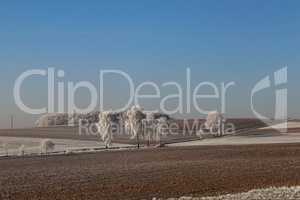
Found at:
[146, 126]
[140, 125]
[65, 119]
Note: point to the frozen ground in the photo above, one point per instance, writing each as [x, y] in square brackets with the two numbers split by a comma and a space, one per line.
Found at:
[238, 140]
[32, 145]
[291, 124]
[283, 193]
[200, 171]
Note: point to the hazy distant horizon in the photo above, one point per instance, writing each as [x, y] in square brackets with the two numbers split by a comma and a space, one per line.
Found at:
[151, 41]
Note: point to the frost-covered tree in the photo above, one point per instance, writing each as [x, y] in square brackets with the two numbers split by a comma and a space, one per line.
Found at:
[214, 123]
[106, 121]
[133, 122]
[149, 128]
[163, 126]
[135, 118]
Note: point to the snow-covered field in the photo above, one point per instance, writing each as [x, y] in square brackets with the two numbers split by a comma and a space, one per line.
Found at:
[238, 140]
[290, 124]
[11, 145]
[283, 193]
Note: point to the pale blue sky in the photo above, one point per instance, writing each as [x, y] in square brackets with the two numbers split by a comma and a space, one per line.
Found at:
[220, 41]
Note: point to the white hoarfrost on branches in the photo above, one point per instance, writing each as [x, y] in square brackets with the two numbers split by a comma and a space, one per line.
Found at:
[65, 119]
[47, 146]
[150, 128]
[135, 122]
[163, 126]
[106, 121]
[135, 115]
[52, 119]
[214, 123]
[145, 125]
[154, 128]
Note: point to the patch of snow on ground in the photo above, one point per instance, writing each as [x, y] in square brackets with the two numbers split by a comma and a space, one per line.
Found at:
[32, 145]
[240, 140]
[282, 193]
[283, 125]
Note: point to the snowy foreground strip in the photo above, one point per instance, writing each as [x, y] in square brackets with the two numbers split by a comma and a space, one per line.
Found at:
[283, 193]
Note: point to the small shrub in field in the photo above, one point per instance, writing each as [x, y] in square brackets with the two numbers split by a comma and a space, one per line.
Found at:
[21, 150]
[47, 146]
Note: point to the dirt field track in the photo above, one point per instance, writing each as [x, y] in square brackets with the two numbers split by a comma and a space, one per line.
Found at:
[143, 174]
